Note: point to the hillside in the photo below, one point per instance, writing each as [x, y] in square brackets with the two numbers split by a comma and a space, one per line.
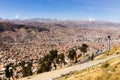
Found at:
[26, 30]
[92, 70]
[109, 70]
[57, 33]
[29, 41]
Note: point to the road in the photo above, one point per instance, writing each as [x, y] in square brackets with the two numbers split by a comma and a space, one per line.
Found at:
[88, 59]
[57, 73]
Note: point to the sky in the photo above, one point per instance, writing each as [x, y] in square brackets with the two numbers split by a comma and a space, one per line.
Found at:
[103, 10]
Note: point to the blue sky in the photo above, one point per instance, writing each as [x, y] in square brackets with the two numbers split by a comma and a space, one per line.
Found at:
[105, 10]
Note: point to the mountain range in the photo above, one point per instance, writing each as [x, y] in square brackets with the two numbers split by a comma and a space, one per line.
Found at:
[37, 29]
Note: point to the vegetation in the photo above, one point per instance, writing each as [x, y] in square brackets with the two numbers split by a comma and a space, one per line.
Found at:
[83, 48]
[53, 54]
[72, 54]
[109, 70]
[26, 68]
[45, 63]
[112, 51]
[92, 56]
[105, 65]
[61, 59]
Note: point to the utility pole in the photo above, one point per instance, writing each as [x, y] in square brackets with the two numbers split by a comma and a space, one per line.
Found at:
[108, 43]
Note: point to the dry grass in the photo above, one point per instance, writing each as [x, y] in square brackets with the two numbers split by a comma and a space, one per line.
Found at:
[100, 72]
[112, 51]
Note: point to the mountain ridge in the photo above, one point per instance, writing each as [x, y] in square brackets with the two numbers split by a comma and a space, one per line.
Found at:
[53, 28]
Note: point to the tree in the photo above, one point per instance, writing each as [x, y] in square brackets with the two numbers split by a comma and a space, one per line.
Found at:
[83, 48]
[29, 68]
[24, 71]
[26, 68]
[72, 54]
[61, 59]
[47, 60]
[47, 57]
[45, 63]
[53, 54]
[42, 68]
[92, 56]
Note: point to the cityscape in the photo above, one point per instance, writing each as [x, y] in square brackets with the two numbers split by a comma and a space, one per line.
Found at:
[59, 40]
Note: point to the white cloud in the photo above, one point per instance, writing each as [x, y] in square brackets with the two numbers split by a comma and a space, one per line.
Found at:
[17, 16]
[91, 19]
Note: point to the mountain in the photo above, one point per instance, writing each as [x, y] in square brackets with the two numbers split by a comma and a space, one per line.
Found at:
[73, 23]
[42, 29]
[1, 19]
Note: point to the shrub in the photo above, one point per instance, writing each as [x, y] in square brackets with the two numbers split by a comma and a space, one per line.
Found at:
[117, 52]
[105, 65]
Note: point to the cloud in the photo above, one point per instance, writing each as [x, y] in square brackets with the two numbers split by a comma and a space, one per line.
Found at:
[91, 19]
[17, 16]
